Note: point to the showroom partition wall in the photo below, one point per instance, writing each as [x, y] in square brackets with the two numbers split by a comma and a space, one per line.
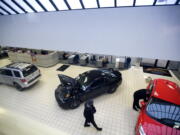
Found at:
[150, 32]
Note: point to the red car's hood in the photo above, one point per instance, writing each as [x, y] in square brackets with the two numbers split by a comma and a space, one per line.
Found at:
[153, 127]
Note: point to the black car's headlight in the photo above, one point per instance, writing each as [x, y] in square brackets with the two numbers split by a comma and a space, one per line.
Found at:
[67, 95]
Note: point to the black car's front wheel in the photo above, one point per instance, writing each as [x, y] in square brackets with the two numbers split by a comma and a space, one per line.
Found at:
[75, 104]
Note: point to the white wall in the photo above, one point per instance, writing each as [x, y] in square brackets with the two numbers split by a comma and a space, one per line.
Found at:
[151, 32]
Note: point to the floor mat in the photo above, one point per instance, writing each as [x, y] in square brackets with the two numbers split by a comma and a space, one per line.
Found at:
[157, 71]
[63, 67]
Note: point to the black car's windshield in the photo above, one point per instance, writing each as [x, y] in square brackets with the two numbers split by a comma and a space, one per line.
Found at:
[165, 112]
[84, 79]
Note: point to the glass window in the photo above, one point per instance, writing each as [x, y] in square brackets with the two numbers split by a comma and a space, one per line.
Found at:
[151, 87]
[164, 112]
[29, 70]
[17, 74]
[164, 2]
[6, 72]
[84, 79]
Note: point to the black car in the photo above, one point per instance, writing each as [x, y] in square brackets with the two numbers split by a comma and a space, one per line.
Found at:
[73, 91]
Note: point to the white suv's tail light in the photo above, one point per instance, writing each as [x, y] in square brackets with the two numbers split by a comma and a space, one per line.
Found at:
[23, 80]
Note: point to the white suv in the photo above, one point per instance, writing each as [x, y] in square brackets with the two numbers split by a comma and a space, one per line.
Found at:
[21, 75]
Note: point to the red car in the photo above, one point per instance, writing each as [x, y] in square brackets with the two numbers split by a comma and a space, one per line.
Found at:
[161, 114]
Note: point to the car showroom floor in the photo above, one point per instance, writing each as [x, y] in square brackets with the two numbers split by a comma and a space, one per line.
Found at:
[35, 110]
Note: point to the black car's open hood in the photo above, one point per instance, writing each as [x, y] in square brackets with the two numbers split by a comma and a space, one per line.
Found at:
[66, 80]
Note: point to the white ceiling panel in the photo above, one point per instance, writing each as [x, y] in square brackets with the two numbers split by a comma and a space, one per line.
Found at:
[60, 4]
[6, 8]
[14, 6]
[47, 5]
[124, 2]
[90, 3]
[74, 4]
[164, 2]
[24, 5]
[35, 5]
[3, 12]
[106, 3]
[144, 2]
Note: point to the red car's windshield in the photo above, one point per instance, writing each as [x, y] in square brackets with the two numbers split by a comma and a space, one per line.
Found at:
[164, 112]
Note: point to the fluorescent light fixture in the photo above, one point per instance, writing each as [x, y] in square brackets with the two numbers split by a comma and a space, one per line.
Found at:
[106, 3]
[90, 3]
[2, 11]
[74, 4]
[26, 7]
[60, 4]
[14, 6]
[6, 8]
[35, 5]
[164, 2]
[144, 2]
[125, 2]
[47, 5]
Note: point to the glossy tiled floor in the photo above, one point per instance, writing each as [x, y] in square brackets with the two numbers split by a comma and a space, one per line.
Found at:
[37, 105]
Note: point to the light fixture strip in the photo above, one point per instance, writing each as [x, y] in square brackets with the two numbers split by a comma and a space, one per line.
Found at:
[41, 5]
[67, 4]
[5, 3]
[98, 4]
[1, 13]
[134, 3]
[30, 6]
[54, 5]
[82, 4]
[5, 10]
[19, 6]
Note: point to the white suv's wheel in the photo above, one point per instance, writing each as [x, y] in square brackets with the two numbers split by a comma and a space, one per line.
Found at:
[18, 86]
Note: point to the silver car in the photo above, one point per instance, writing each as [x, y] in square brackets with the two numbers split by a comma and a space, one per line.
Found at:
[21, 75]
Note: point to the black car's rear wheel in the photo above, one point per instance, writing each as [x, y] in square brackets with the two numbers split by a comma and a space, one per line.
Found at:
[18, 86]
[113, 89]
[75, 104]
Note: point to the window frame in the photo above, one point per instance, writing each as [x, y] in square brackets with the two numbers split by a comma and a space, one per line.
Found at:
[17, 72]
[5, 70]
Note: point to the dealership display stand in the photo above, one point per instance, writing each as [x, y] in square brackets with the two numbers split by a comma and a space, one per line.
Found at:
[47, 60]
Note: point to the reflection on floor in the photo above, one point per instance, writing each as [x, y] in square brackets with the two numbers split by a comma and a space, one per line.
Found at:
[37, 105]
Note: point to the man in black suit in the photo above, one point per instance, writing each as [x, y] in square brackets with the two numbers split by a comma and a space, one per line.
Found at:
[89, 111]
[140, 94]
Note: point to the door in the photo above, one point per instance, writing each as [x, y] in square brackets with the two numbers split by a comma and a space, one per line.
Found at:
[95, 89]
[6, 76]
